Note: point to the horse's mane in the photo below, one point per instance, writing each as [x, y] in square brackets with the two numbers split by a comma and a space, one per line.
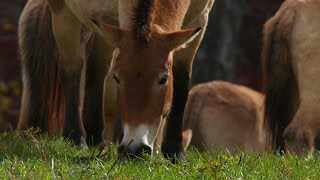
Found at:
[143, 16]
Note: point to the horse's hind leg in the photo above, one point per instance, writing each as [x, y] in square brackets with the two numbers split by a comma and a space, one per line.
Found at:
[30, 114]
[300, 135]
[98, 63]
[67, 33]
[35, 56]
[182, 67]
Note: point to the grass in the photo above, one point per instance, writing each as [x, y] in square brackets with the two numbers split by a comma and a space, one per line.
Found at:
[41, 157]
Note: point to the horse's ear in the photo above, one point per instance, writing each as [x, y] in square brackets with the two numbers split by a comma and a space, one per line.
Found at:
[113, 34]
[186, 139]
[180, 39]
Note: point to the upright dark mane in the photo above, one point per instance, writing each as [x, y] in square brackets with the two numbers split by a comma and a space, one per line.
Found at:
[142, 19]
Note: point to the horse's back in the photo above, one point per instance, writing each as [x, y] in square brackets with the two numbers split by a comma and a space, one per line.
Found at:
[118, 12]
[224, 116]
[85, 10]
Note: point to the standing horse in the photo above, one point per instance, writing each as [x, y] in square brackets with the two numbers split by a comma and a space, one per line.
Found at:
[71, 34]
[292, 71]
[224, 116]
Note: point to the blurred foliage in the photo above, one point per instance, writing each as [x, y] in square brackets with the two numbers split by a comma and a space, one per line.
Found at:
[10, 88]
[10, 92]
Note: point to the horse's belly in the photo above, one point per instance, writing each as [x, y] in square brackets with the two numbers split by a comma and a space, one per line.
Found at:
[85, 10]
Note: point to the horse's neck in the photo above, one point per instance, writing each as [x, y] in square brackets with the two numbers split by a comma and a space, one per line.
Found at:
[171, 18]
[126, 10]
[172, 14]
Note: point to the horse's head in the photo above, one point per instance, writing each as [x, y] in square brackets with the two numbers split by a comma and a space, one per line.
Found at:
[142, 69]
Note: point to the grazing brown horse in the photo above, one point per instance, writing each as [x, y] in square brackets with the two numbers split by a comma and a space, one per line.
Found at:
[224, 116]
[292, 71]
[113, 131]
[60, 37]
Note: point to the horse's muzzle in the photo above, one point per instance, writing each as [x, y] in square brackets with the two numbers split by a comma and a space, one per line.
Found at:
[133, 152]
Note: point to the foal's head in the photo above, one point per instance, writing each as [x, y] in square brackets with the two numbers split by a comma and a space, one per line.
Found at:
[142, 69]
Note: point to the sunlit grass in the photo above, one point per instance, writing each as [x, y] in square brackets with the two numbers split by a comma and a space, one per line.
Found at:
[41, 157]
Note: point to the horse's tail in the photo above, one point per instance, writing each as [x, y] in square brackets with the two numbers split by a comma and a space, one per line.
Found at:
[281, 86]
[39, 57]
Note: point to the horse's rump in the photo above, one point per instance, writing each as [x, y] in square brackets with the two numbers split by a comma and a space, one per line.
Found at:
[281, 86]
[39, 55]
[224, 115]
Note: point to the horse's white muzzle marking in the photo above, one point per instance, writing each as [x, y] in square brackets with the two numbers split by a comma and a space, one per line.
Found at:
[142, 137]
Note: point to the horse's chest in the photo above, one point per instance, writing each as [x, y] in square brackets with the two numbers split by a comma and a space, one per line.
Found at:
[85, 10]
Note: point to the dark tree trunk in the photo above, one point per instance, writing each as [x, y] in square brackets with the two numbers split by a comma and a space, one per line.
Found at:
[9, 64]
[218, 54]
[231, 48]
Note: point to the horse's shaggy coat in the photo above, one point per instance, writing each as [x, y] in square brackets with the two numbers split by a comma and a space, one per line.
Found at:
[225, 116]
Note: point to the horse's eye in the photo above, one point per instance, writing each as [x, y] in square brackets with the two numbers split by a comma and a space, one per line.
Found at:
[164, 79]
[116, 78]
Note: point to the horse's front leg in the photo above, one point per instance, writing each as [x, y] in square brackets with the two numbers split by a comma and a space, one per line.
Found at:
[67, 31]
[182, 67]
[97, 67]
[301, 133]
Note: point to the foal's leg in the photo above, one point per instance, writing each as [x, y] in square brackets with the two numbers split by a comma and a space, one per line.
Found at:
[97, 67]
[182, 67]
[112, 123]
[67, 31]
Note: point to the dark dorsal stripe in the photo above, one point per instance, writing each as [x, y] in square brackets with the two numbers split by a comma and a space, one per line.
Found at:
[142, 19]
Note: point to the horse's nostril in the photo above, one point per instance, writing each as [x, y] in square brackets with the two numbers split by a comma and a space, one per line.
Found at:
[121, 148]
[145, 149]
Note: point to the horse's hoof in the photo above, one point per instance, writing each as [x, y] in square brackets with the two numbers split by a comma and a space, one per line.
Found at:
[76, 139]
[178, 158]
[175, 157]
[172, 152]
[83, 143]
[94, 141]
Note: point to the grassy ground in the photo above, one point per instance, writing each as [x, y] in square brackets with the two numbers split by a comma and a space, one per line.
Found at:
[34, 157]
